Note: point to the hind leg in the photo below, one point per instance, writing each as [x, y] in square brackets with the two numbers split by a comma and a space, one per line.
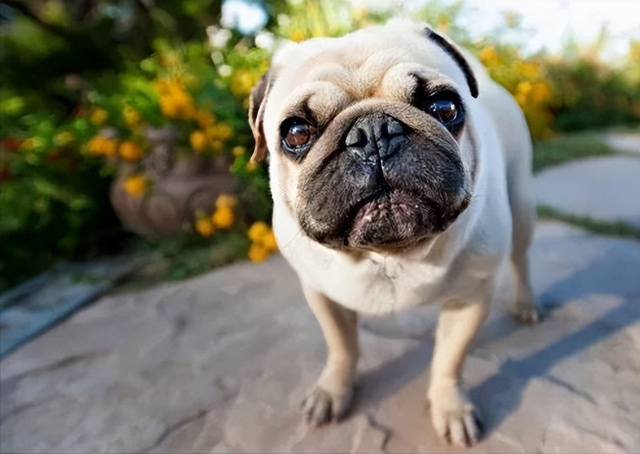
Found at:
[523, 215]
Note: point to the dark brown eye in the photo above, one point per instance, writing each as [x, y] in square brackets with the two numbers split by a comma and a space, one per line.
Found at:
[444, 111]
[298, 135]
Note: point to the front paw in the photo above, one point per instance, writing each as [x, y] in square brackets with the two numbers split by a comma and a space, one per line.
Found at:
[323, 406]
[454, 417]
[525, 312]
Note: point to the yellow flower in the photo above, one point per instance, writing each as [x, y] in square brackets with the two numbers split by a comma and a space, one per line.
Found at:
[527, 69]
[100, 145]
[221, 131]
[131, 116]
[177, 105]
[222, 218]
[540, 92]
[98, 116]
[226, 200]
[269, 241]
[258, 253]
[198, 141]
[241, 82]
[135, 185]
[62, 138]
[204, 227]
[251, 166]
[489, 56]
[523, 87]
[175, 102]
[258, 231]
[130, 151]
[204, 119]
[297, 35]
[238, 151]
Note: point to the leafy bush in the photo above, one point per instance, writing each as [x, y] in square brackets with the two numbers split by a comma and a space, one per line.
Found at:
[81, 82]
[54, 202]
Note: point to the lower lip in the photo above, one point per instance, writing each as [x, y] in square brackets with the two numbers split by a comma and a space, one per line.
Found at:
[397, 204]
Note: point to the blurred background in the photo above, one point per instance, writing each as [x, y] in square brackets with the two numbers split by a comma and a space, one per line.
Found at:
[123, 122]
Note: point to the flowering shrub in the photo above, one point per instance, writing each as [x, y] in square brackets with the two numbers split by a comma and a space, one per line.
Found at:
[172, 88]
[87, 107]
[527, 82]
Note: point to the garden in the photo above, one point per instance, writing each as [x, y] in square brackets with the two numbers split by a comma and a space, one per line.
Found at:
[123, 122]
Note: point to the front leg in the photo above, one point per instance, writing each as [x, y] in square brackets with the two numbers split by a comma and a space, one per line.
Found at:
[334, 390]
[453, 415]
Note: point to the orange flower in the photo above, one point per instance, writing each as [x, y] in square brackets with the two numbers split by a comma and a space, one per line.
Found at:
[100, 145]
[204, 227]
[222, 218]
[258, 253]
[198, 141]
[269, 241]
[489, 56]
[258, 231]
[135, 185]
[226, 200]
[129, 151]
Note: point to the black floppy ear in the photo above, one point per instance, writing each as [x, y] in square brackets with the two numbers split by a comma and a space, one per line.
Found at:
[451, 49]
[257, 101]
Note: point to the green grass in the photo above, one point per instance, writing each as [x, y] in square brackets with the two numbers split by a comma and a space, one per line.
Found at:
[564, 148]
[618, 229]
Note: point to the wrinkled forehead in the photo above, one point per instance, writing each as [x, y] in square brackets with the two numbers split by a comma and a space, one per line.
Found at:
[365, 63]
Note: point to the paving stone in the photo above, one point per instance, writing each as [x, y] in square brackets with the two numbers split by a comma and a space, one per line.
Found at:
[221, 362]
[601, 188]
[627, 142]
[30, 308]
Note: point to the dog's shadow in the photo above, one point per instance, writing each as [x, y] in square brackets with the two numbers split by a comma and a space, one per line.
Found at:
[601, 277]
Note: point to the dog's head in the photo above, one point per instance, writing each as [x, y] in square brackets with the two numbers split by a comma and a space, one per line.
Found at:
[364, 134]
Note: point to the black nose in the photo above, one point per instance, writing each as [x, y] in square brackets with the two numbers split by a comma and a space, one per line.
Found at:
[375, 137]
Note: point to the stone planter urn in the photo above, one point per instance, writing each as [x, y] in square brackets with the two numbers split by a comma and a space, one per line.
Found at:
[179, 187]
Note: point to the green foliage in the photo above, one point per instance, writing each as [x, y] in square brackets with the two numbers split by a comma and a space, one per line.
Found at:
[54, 202]
[612, 98]
[74, 72]
[254, 194]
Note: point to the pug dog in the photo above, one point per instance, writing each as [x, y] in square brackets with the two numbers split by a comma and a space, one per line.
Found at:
[400, 175]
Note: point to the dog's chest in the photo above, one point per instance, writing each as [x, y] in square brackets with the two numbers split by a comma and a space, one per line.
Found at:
[374, 286]
[384, 286]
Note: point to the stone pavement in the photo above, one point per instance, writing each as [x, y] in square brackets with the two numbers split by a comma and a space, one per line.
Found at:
[627, 142]
[605, 188]
[33, 306]
[221, 363]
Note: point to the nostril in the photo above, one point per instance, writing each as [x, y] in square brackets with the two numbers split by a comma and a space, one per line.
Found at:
[356, 138]
[392, 128]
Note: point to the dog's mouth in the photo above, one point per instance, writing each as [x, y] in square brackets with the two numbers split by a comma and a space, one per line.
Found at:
[393, 220]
